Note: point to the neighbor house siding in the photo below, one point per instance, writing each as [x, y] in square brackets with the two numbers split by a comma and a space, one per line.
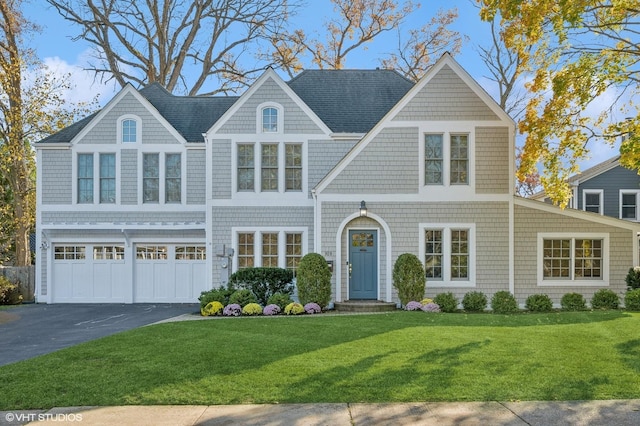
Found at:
[56, 176]
[296, 121]
[529, 222]
[446, 97]
[129, 176]
[196, 176]
[611, 182]
[493, 157]
[387, 165]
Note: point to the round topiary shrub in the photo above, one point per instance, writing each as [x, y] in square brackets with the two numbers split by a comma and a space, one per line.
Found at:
[447, 302]
[243, 297]
[314, 280]
[271, 310]
[252, 309]
[474, 301]
[503, 302]
[539, 303]
[211, 309]
[633, 278]
[232, 310]
[632, 300]
[409, 278]
[280, 299]
[605, 299]
[573, 302]
[294, 309]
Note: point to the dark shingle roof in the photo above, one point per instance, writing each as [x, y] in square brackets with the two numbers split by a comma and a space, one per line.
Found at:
[347, 101]
[350, 101]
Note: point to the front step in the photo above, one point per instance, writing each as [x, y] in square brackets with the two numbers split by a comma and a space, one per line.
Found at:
[364, 306]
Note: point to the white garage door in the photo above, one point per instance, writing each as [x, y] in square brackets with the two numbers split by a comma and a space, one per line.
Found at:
[174, 273]
[90, 274]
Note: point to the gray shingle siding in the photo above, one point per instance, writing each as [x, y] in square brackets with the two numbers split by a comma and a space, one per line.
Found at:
[129, 176]
[323, 156]
[492, 160]
[138, 217]
[56, 176]
[221, 168]
[196, 176]
[446, 97]
[387, 165]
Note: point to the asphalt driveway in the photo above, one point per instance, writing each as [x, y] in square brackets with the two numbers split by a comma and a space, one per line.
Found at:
[27, 331]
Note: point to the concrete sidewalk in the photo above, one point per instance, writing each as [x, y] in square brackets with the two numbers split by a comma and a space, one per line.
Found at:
[613, 412]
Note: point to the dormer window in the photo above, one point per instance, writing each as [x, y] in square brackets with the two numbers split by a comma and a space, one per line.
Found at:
[129, 129]
[269, 120]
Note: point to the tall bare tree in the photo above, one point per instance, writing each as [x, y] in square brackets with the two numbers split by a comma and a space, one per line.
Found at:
[150, 41]
[31, 107]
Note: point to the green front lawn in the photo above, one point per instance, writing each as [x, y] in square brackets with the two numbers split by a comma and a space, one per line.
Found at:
[400, 356]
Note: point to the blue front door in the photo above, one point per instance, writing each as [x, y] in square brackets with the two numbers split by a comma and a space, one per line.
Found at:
[363, 264]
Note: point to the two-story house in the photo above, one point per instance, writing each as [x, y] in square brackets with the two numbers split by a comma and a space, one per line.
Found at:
[142, 201]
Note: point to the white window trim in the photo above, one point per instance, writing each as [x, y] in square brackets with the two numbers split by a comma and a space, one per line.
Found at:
[162, 153]
[257, 243]
[138, 121]
[446, 280]
[446, 190]
[629, 191]
[96, 176]
[281, 195]
[280, 122]
[600, 194]
[572, 282]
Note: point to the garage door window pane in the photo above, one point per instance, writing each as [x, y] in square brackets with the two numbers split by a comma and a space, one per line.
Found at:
[151, 252]
[108, 252]
[69, 253]
[190, 253]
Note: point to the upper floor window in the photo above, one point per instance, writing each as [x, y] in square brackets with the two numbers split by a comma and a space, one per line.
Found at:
[161, 174]
[85, 178]
[96, 177]
[293, 167]
[592, 201]
[107, 178]
[629, 204]
[446, 159]
[129, 133]
[246, 164]
[269, 120]
[279, 167]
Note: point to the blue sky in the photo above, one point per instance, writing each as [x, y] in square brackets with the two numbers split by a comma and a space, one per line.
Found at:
[56, 49]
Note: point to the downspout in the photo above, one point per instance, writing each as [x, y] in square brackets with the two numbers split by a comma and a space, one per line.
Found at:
[315, 220]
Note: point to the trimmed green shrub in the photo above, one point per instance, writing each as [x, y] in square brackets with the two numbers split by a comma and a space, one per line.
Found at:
[314, 280]
[263, 282]
[211, 309]
[217, 294]
[446, 301]
[9, 292]
[632, 300]
[573, 302]
[252, 309]
[503, 302]
[409, 278]
[280, 299]
[294, 309]
[474, 301]
[605, 299]
[633, 278]
[242, 297]
[539, 303]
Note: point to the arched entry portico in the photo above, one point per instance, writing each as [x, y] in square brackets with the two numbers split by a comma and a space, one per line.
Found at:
[363, 252]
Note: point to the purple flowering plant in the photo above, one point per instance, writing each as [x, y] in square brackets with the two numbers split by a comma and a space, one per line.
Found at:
[312, 308]
[431, 307]
[232, 310]
[271, 310]
[413, 306]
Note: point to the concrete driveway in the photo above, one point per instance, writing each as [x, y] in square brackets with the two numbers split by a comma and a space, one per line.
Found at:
[27, 331]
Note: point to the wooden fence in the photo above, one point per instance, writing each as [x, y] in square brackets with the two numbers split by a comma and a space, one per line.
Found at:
[25, 276]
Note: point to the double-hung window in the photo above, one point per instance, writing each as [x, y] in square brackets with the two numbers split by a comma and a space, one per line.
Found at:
[580, 259]
[269, 167]
[107, 178]
[278, 166]
[161, 175]
[592, 201]
[150, 178]
[246, 165]
[629, 204]
[85, 178]
[173, 178]
[446, 159]
[448, 253]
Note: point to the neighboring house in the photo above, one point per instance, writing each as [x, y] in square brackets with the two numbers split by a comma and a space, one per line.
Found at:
[607, 189]
[142, 201]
